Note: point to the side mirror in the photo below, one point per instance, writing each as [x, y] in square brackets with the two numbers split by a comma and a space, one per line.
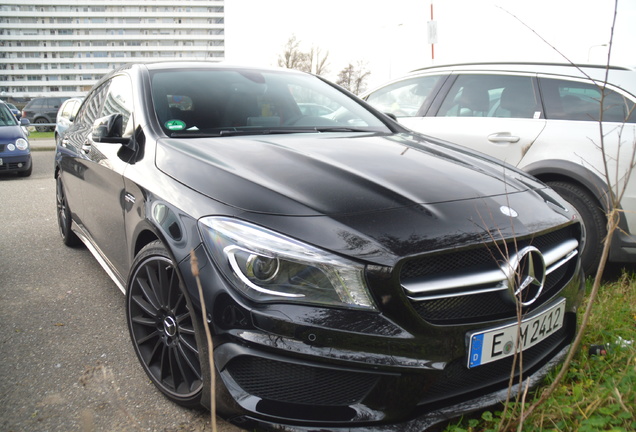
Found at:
[109, 129]
[24, 122]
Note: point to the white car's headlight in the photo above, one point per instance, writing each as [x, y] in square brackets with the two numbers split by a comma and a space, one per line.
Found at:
[270, 267]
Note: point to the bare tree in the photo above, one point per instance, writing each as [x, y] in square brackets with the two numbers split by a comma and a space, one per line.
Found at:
[313, 61]
[353, 78]
[293, 57]
[319, 61]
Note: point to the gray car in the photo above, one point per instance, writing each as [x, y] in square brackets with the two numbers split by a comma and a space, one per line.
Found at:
[544, 119]
[43, 110]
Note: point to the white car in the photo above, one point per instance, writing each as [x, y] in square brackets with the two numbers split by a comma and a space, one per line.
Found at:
[542, 118]
[66, 116]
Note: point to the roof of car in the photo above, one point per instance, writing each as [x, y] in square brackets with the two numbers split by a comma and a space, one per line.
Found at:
[524, 66]
[172, 64]
[624, 77]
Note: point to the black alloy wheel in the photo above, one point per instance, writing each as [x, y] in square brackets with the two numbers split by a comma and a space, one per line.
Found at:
[69, 238]
[162, 326]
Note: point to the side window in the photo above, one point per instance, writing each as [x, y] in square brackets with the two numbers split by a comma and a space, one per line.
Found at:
[404, 98]
[51, 104]
[503, 96]
[119, 100]
[91, 110]
[572, 100]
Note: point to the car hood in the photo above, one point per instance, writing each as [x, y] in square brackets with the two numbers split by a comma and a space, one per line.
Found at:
[327, 174]
[373, 197]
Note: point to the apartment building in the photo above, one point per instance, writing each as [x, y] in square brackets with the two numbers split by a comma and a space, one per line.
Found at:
[62, 47]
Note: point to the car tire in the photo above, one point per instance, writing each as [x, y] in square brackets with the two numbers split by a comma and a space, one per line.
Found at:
[163, 328]
[593, 222]
[42, 128]
[69, 238]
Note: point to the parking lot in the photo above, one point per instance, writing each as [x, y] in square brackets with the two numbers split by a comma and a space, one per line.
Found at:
[66, 361]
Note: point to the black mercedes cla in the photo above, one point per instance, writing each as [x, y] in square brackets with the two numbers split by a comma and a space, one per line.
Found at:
[353, 274]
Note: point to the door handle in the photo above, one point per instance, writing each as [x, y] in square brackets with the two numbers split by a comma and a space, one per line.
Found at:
[503, 137]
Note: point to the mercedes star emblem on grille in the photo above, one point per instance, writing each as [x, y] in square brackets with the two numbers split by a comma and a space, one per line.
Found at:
[526, 276]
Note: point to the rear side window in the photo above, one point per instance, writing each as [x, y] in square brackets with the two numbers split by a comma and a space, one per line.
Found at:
[482, 95]
[404, 98]
[37, 104]
[572, 100]
[50, 104]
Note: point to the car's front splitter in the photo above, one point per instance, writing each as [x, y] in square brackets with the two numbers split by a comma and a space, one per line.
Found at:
[422, 422]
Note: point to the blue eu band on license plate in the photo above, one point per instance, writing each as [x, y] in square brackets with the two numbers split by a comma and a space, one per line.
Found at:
[494, 344]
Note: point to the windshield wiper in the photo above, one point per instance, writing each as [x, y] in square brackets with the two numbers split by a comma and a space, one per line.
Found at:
[340, 129]
[237, 132]
[225, 132]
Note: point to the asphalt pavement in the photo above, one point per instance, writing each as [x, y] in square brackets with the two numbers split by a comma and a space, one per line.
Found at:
[66, 360]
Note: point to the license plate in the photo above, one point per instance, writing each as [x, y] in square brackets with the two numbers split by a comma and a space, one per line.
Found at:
[494, 344]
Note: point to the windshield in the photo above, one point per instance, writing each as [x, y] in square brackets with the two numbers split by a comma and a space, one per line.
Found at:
[221, 102]
[6, 116]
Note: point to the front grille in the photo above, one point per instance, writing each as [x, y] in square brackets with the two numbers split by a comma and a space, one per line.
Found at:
[468, 286]
[11, 166]
[299, 384]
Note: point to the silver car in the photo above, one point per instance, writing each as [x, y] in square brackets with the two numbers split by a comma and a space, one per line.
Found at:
[542, 118]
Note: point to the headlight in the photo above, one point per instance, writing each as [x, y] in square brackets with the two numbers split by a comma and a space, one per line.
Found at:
[22, 144]
[270, 267]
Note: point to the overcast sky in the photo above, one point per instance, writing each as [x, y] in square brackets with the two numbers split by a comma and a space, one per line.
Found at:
[392, 37]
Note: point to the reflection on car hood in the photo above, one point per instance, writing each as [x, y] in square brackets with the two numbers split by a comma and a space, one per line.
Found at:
[376, 198]
[329, 174]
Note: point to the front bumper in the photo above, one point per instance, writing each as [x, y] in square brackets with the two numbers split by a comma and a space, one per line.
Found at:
[294, 367]
[16, 163]
[427, 418]
[304, 393]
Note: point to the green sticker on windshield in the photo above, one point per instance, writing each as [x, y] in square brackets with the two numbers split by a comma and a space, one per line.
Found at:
[174, 125]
